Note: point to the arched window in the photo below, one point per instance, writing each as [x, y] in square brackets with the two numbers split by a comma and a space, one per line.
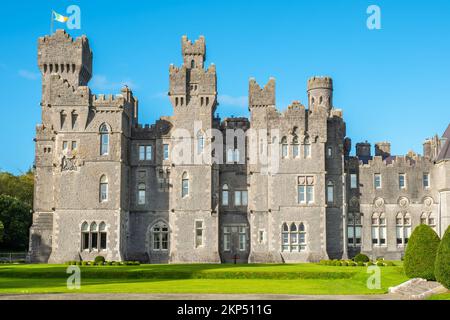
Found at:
[295, 147]
[94, 236]
[306, 148]
[85, 236]
[103, 235]
[63, 117]
[160, 237]
[428, 219]
[330, 192]
[403, 228]
[293, 237]
[104, 139]
[284, 147]
[103, 189]
[354, 228]
[141, 193]
[379, 229]
[184, 185]
[200, 142]
[225, 195]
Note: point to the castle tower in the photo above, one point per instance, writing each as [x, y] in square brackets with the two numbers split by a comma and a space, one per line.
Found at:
[320, 92]
[71, 59]
[261, 97]
[191, 85]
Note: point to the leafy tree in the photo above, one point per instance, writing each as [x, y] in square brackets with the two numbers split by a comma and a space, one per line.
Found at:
[20, 187]
[420, 254]
[442, 264]
[16, 218]
[1, 231]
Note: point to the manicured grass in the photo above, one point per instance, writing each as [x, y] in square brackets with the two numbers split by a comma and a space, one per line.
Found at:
[199, 278]
[441, 296]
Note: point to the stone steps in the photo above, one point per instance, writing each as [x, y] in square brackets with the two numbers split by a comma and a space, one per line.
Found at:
[417, 288]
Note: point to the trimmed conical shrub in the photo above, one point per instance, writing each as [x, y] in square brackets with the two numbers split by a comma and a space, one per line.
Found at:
[420, 254]
[442, 264]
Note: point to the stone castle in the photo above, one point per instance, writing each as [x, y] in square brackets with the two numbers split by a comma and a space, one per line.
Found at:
[106, 185]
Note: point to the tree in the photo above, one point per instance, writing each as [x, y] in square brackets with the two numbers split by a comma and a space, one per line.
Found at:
[420, 253]
[20, 187]
[16, 218]
[1, 231]
[442, 264]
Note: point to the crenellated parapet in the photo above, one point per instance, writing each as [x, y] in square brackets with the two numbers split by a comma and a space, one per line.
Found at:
[194, 53]
[320, 93]
[261, 97]
[61, 54]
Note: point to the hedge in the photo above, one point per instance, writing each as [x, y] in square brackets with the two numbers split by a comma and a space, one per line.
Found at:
[442, 264]
[420, 254]
[360, 257]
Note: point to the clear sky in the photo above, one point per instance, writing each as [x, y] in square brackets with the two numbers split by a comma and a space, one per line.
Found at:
[393, 84]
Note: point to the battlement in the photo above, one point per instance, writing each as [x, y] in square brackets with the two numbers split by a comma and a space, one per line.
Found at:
[296, 105]
[194, 54]
[261, 97]
[59, 53]
[320, 83]
[406, 161]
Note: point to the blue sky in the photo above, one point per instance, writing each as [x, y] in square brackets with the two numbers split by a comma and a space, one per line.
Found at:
[393, 84]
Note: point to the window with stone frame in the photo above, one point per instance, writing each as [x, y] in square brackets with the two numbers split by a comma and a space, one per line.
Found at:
[104, 139]
[428, 219]
[293, 237]
[199, 233]
[378, 229]
[426, 180]
[103, 189]
[403, 228]
[353, 181]
[93, 236]
[295, 147]
[306, 148]
[226, 238]
[225, 195]
[305, 189]
[184, 185]
[330, 192]
[145, 152]
[160, 237]
[284, 147]
[141, 193]
[354, 229]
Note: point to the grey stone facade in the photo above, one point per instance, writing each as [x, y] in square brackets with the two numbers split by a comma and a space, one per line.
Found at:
[106, 185]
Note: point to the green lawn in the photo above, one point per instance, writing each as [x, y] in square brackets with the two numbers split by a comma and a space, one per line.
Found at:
[441, 296]
[199, 278]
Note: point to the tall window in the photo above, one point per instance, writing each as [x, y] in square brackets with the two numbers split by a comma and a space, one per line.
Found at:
[305, 189]
[293, 237]
[104, 139]
[103, 189]
[145, 153]
[184, 185]
[65, 145]
[307, 148]
[74, 145]
[160, 236]
[426, 180]
[428, 219]
[402, 181]
[242, 238]
[198, 233]
[230, 156]
[330, 192]
[295, 147]
[403, 228]
[200, 142]
[141, 193]
[379, 229]
[329, 152]
[377, 181]
[103, 234]
[226, 238]
[240, 198]
[353, 181]
[284, 147]
[225, 195]
[94, 236]
[354, 228]
[85, 236]
[166, 151]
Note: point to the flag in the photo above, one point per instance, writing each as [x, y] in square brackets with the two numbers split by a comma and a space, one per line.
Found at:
[59, 17]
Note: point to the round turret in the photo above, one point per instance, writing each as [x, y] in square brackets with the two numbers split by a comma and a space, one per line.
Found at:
[320, 92]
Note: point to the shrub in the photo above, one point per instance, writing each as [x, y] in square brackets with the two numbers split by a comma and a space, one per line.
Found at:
[344, 263]
[361, 258]
[420, 254]
[352, 264]
[380, 263]
[360, 264]
[99, 259]
[84, 263]
[338, 263]
[109, 263]
[370, 263]
[389, 264]
[442, 264]
[78, 263]
[116, 263]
